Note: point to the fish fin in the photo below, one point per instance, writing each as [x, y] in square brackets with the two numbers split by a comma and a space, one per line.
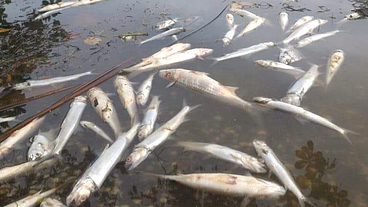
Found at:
[232, 89]
[171, 84]
[346, 137]
[175, 38]
[215, 61]
[245, 202]
[302, 121]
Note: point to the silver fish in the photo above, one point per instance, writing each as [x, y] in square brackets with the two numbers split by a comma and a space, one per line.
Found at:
[127, 97]
[227, 154]
[254, 24]
[159, 136]
[276, 167]
[296, 92]
[70, 123]
[19, 136]
[243, 12]
[306, 28]
[11, 172]
[281, 67]
[226, 40]
[50, 202]
[43, 144]
[300, 22]
[166, 24]
[144, 90]
[200, 82]
[289, 55]
[104, 107]
[334, 63]
[50, 81]
[97, 130]
[32, 200]
[97, 173]
[246, 51]
[308, 40]
[149, 119]
[354, 16]
[173, 31]
[7, 119]
[230, 20]
[49, 13]
[284, 20]
[302, 114]
[58, 5]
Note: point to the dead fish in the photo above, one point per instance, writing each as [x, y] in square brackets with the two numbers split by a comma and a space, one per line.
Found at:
[251, 26]
[306, 28]
[230, 20]
[243, 12]
[43, 144]
[334, 63]
[93, 127]
[127, 97]
[308, 40]
[104, 107]
[51, 202]
[149, 119]
[227, 154]
[32, 200]
[246, 51]
[144, 90]
[289, 55]
[284, 20]
[300, 22]
[166, 24]
[281, 67]
[49, 13]
[226, 40]
[58, 5]
[171, 32]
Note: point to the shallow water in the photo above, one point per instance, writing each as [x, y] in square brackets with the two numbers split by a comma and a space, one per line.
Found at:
[336, 173]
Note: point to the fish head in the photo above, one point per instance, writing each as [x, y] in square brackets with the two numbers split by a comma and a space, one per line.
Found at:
[260, 147]
[171, 74]
[86, 124]
[292, 99]
[269, 44]
[39, 148]
[144, 131]
[226, 41]
[235, 5]
[20, 86]
[81, 192]
[283, 15]
[261, 100]
[337, 56]
[141, 100]
[354, 15]
[138, 155]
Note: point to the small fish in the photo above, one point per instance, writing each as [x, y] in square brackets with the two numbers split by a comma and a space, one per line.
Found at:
[281, 67]
[230, 20]
[144, 90]
[19, 136]
[49, 13]
[97, 130]
[149, 119]
[302, 114]
[334, 63]
[43, 144]
[33, 200]
[171, 32]
[284, 20]
[96, 174]
[300, 22]
[306, 28]
[201, 83]
[104, 107]
[166, 24]
[308, 40]
[50, 202]
[243, 12]
[227, 154]
[246, 51]
[276, 167]
[58, 5]
[254, 24]
[159, 136]
[7, 119]
[289, 55]
[226, 40]
[50, 81]
[296, 92]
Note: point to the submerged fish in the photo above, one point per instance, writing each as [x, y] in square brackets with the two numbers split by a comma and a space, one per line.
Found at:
[50, 81]
[149, 119]
[127, 97]
[308, 40]
[173, 31]
[306, 28]
[302, 114]
[334, 63]
[7, 119]
[251, 26]
[43, 144]
[166, 24]
[97, 130]
[96, 174]
[276, 167]
[289, 55]
[246, 51]
[159, 136]
[226, 40]
[300, 22]
[281, 67]
[144, 90]
[227, 154]
[230, 20]
[15, 139]
[296, 92]
[104, 107]
[33, 200]
[50, 202]
[284, 20]
[200, 82]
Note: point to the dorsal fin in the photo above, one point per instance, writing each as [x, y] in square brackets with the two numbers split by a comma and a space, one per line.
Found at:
[232, 89]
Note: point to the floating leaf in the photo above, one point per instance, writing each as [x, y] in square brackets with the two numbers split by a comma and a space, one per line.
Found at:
[300, 164]
[301, 154]
[310, 145]
[92, 41]
[3, 30]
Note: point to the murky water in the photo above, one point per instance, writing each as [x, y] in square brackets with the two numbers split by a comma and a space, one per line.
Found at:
[330, 172]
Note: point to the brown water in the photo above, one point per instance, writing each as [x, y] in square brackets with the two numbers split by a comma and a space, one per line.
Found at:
[327, 168]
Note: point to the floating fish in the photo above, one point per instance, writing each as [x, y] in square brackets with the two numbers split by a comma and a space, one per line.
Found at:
[334, 63]
[144, 90]
[230, 20]
[300, 22]
[226, 40]
[306, 28]
[251, 26]
[308, 40]
[289, 55]
[58, 5]
[246, 51]
[166, 24]
[149, 119]
[284, 20]
[281, 67]
[97, 130]
[43, 144]
[171, 32]
[243, 12]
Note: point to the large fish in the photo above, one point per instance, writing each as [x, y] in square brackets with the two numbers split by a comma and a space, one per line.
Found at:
[300, 22]
[284, 20]
[17, 137]
[159, 136]
[281, 67]
[254, 24]
[171, 32]
[50, 81]
[227, 154]
[308, 40]
[93, 127]
[296, 92]
[144, 90]
[43, 144]
[302, 114]
[334, 63]
[226, 40]
[127, 97]
[306, 28]
[96, 174]
[276, 167]
[33, 200]
[149, 119]
[104, 107]
[246, 51]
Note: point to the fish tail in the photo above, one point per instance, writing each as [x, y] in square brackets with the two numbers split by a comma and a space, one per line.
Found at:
[303, 200]
[345, 133]
[215, 61]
